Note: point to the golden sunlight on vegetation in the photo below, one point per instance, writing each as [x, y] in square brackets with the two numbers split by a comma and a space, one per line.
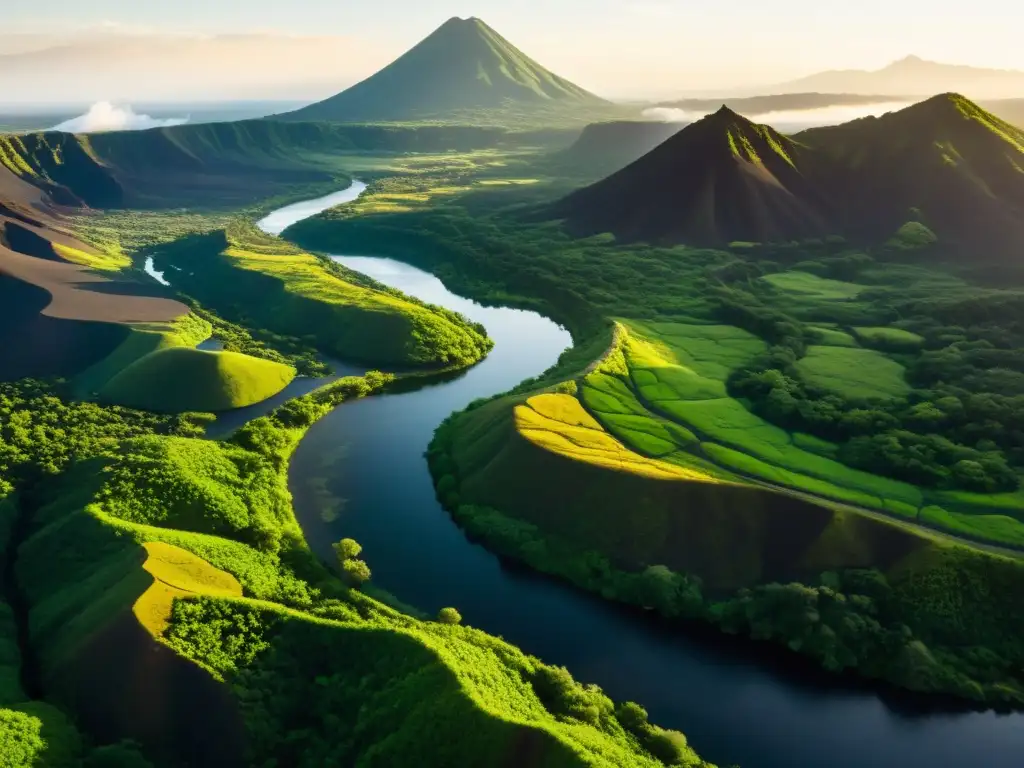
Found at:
[177, 573]
[559, 423]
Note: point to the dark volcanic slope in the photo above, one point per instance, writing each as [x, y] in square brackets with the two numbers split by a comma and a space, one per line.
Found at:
[946, 161]
[463, 65]
[719, 180]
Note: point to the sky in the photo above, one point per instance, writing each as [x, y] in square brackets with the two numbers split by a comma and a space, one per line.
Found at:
[617, 48]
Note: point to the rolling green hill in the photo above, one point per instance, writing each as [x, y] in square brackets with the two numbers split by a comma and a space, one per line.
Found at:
[178, 562]
[616, 505]
[215, 165]
[463, 67]
[180, 380]
[272, 284]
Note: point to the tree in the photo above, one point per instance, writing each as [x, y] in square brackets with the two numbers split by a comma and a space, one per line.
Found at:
[449, 616]
[356, 571]
[347, 549]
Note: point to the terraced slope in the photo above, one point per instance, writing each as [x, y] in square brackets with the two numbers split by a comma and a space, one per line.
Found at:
[641, 482]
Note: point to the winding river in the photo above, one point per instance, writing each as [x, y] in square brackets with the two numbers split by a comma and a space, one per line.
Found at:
[360, 472]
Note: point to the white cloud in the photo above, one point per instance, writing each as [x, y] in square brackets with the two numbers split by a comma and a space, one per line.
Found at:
[789, 119]
[672, 115]
[104, 116]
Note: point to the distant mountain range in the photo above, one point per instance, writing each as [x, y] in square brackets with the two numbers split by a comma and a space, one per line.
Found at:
[463, 67]
[782, 101]
[945, 162]
[912, 76]
[606, 147]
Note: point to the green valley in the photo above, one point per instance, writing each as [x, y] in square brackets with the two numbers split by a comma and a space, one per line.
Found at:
[469, 418]
[850, 387]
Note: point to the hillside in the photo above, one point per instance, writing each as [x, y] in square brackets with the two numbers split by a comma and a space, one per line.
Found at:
[718, 180]
[957, 165]
[178, 561]
[912, 76]
[62, 305]
[214, 165]
[266, 282]
[181, 380]
[944, 163]
[593, 481]
[462, 66]
[606, 147]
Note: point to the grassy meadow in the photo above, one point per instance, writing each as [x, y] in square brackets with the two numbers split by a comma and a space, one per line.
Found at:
[181, 380]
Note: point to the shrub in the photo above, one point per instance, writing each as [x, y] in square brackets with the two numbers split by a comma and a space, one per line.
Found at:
[449, 616]
[356, 572]
[668, 746]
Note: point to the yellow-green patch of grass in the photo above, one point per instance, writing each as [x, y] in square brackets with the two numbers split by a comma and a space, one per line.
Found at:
[753, 467]
[831, 337]
[1010, 503]
[355, 321]
[990, 527]
[708, 351]
[805, 284]
[507, 182]
[559, 424]
[854, 373]
[177, 573]
[647, 434]
[606, 394]
[187, 331]
[106, 262]
[178, 380]
[727, 422]
[888, 337]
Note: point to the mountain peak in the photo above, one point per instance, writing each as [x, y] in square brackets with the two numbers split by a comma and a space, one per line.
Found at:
[725, 113]
[462, 65]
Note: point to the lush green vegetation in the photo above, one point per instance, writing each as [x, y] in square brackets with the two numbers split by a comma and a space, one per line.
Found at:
[852, 373]
[260, 281]
[802, 430]
[682, 546]
[196, 542]
[180, 380]
[873, 353]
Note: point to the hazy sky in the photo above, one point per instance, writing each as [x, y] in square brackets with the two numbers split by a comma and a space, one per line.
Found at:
[615, 47]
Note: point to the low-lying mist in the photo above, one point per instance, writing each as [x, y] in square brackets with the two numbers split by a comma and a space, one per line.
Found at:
[789, 119]
[104, 116]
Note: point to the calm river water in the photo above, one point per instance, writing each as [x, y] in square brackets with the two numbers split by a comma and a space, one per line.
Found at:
[360, 473]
